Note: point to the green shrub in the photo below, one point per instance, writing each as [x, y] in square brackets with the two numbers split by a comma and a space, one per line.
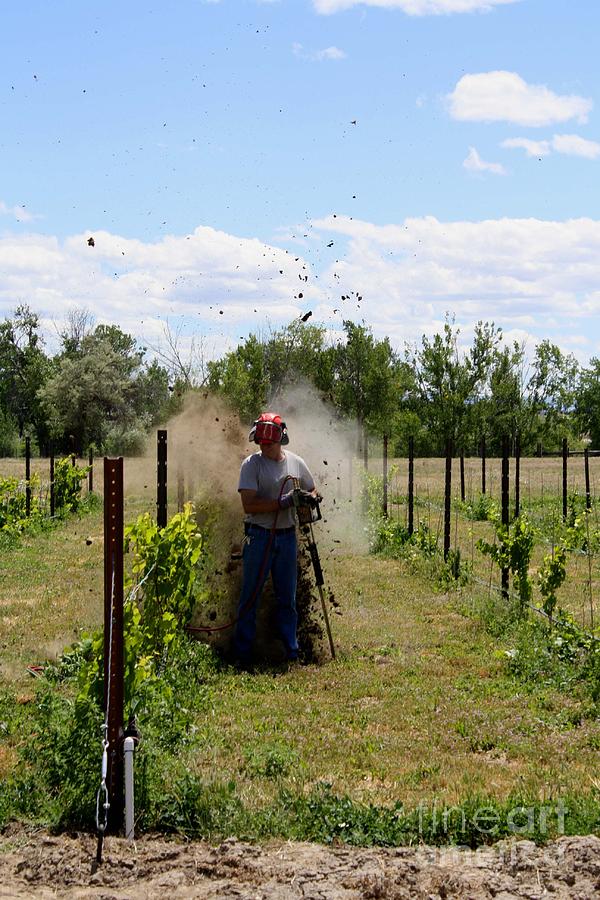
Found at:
[13, 506]
[512, 550]
[162, 591]
[68, 480]
[482, 508]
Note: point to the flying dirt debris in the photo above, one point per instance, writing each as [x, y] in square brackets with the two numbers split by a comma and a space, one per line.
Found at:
[306, 316]
[91, 242]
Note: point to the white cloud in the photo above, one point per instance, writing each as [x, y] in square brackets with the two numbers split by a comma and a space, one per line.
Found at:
[474, 163]
[331, 53]
[138, 285]
[412, 7]
[574, 145]
[17, 212]
[531, 148]
[506, 97]
[570, 144]
[530, 276]
[537, 276]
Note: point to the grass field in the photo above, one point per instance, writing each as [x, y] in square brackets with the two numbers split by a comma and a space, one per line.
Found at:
[419, 706]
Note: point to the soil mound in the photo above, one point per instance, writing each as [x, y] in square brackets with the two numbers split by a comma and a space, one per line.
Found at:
[43, 866]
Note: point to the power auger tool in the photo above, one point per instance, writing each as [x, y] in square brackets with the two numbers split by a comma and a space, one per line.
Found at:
[308, 511]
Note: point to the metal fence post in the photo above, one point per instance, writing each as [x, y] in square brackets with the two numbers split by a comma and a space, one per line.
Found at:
[588, 493]
[385, 475]
[52, 494]
[505, 513]
[113, 635]
[447, 498]
[517, 475]
[565, 457]
[91, 471]
[27, 476]
[483, 464]
[411, 484]
[161, 482]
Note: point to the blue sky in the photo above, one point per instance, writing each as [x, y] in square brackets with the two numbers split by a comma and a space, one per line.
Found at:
[239, 163]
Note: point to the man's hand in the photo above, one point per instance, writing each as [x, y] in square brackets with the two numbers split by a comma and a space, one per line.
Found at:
[306, 498]
[287, 500]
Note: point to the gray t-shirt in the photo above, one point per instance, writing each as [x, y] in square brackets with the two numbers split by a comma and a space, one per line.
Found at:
[266, 476]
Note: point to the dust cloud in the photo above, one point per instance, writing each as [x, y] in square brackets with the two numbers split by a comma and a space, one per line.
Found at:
[327, 444]
[207, 444]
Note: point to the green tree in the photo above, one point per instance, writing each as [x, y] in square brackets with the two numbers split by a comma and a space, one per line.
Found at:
[587, 402]
[101, 394]
[368, 379]
[503, 410]
[255, 373]
[449, 382]
[551, 392]
[24, 369]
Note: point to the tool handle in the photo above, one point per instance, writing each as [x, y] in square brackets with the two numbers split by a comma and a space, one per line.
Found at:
[314, 555]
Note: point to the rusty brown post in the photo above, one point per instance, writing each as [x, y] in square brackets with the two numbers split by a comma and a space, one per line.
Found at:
[113, 636]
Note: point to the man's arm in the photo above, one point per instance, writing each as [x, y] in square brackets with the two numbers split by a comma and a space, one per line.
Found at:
[253, 504]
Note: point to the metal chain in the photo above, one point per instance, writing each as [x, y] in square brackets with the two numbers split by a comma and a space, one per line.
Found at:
[102, 796]
[103, 789]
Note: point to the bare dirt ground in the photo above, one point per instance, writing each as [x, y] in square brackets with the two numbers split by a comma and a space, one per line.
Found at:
[44, 866]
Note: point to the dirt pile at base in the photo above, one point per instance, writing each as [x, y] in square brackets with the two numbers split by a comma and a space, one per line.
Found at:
[42, 866]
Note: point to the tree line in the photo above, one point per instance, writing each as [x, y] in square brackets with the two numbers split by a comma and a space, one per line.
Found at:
[102, 389]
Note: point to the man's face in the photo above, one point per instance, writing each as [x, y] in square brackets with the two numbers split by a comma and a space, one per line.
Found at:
[272, 450]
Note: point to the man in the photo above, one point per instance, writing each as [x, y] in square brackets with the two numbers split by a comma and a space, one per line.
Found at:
[266, 489]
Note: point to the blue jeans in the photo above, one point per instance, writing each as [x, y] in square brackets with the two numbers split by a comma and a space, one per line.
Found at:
[262, 554]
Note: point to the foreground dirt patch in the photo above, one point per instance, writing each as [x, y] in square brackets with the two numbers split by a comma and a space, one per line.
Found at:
[42, 866]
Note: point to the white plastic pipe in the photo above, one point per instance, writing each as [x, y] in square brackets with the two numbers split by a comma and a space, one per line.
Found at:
[128, 750]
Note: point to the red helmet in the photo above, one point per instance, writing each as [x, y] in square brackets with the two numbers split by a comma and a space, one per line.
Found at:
[269, 429]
